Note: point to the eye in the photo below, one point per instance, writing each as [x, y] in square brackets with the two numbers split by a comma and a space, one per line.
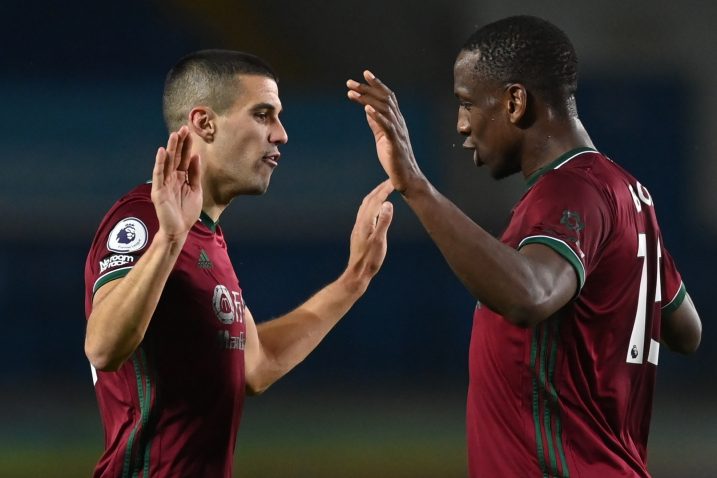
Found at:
[261, 116]
[466, 105]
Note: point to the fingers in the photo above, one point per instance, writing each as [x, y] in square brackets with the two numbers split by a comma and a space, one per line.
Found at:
[378, 194]
[158, 173]
[372, 87]
[369, 214]
[385, 215]
[377, 95]
[171, 149]
[378, 122]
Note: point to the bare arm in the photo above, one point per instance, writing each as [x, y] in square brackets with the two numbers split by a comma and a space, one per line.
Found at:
[681, 330]
[122, 309]
[525, 286]
[275, 347]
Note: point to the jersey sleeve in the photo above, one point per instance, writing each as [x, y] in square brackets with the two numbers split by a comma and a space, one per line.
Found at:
[567, 213]
[123, 236]
[673, 289]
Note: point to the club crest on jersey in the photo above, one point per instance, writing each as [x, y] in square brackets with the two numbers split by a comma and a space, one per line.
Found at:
[228, 306]
[572, 221]
[128, 235]
[223, 304]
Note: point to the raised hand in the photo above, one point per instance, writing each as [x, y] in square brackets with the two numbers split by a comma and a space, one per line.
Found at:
[176, 185]
[368, 238]
[393, 144]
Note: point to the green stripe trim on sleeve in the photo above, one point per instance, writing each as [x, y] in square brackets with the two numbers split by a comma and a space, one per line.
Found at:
[109, 277]
[672, 306]
[561, 248]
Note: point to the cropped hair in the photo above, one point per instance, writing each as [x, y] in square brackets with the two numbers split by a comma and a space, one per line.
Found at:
[527, 50]
[207, 77]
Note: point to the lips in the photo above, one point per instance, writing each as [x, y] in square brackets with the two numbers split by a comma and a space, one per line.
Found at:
[272, 159]
[476, 159]
[468, 144]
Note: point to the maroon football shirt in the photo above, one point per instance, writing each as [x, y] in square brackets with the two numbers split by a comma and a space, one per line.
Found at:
[573, 396]
[172, 409]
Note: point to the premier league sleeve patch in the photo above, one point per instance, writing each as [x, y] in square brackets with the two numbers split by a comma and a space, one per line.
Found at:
[129, 235]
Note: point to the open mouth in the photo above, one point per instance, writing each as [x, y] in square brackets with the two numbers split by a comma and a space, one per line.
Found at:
[476, 159]
[272, 159]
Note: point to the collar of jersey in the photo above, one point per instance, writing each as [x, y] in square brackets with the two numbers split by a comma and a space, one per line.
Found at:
[207, 221]
[562, 159]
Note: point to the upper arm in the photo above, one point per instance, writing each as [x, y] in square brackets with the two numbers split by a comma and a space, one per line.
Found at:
[681, 328]
[252, 354]
[104, 291]
[559, 225]
[555, 279]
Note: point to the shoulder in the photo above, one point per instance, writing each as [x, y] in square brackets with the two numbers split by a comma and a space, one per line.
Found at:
[136, 201]
[130, 221]
[591, 178]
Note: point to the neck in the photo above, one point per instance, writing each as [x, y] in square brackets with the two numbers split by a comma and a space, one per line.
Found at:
[547, 144]
[213, 202]
[211, 206]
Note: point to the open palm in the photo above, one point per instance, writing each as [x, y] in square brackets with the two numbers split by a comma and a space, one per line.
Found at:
[176, 185]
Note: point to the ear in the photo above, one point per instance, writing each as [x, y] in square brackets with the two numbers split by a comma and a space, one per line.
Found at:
[516, 97]
[202, 122]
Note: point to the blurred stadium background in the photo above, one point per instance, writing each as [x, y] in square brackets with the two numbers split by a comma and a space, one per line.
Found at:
[384, 394]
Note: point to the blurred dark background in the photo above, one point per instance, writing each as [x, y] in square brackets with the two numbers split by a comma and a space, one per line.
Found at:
[81, 86]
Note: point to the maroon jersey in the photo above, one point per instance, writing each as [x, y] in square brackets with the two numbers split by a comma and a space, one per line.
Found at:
[572, 397]
[173, 408]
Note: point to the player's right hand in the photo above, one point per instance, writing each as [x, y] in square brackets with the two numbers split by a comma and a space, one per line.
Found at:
[176, 186]
[390, 132]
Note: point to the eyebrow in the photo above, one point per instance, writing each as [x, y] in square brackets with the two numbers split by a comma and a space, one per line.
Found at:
[264, 106]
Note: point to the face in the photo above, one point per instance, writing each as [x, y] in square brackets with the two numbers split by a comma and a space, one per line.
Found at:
[245, 147]
[483, 119]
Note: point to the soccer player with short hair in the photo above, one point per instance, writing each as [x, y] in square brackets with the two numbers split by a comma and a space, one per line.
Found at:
[172, 343]
[578, 294]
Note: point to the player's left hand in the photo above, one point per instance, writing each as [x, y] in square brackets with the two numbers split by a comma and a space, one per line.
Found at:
[393, 144]
[368, 238]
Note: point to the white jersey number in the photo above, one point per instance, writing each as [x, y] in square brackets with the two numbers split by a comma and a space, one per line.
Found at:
[636, 347]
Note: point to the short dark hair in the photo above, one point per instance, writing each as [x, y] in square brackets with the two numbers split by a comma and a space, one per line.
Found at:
[207, 77]
[528, 50]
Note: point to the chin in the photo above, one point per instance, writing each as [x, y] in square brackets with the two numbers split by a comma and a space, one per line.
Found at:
[259, 189]
[503, 172]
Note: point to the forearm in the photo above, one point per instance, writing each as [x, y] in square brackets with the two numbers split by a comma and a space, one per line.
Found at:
[288, 340]
[121, 315]
[496, 274]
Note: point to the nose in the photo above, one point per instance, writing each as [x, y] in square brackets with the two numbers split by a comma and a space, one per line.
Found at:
[463, 126]
[278, 135]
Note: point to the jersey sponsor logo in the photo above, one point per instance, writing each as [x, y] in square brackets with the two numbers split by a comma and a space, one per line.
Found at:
[129, 235]
[228, 306]
[115, 261]
[231, 342]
